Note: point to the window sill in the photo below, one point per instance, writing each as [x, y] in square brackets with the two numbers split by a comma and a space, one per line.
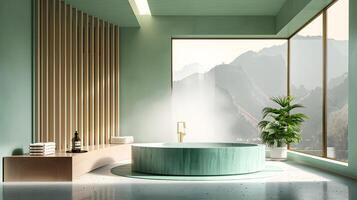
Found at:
[318, 158]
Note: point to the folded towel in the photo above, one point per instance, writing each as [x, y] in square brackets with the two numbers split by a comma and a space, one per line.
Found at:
[43, 144]
[121, 140]
[41, 151]
[42, 148]
[45, 147]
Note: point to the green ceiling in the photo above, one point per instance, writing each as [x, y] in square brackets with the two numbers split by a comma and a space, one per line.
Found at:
[215, 7]
[287, 15]
[116, 11]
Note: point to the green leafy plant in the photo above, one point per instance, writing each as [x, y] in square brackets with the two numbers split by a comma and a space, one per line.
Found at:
[279, 126]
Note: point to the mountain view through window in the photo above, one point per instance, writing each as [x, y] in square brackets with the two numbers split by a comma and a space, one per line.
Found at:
[221, 86]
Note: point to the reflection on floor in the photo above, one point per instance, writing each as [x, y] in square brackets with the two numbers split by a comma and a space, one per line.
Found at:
[296, 182]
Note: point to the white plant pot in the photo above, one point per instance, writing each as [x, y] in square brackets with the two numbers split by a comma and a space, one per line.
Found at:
[279, 152]
[331, 152]
[267, 151]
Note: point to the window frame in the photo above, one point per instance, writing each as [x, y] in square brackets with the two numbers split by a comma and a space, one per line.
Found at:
[227, 38]
[323, 13]
[288, 65]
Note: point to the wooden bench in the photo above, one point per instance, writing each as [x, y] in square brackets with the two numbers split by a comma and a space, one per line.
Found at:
[62, 166]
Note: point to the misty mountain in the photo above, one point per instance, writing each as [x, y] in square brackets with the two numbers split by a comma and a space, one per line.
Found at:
[338, 131]
[306, 60]
[235, 97]
[187, 70]
[260, 68]
[233, 94]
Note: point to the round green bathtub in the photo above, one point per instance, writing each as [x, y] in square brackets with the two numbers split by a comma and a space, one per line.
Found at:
[198, 159]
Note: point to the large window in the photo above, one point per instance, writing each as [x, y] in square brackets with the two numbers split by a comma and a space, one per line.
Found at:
[221, 85]
[337, 80]
[319, 80]
[306, 64]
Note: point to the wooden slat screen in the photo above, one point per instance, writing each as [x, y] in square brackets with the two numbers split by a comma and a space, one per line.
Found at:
[76, 75]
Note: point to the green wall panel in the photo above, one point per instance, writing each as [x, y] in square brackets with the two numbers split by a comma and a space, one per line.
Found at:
[15, 76]
[352, 125]
[294, 14]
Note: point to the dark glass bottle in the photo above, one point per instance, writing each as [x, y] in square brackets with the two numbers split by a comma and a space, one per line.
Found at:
[76, 143]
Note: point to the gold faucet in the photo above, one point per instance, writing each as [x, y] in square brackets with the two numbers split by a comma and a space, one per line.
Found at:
[181, 131]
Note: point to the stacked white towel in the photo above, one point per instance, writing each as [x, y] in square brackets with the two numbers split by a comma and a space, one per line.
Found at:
[42, 149]
[121, 140]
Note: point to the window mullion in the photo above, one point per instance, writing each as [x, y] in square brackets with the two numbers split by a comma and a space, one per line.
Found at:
[324, 83]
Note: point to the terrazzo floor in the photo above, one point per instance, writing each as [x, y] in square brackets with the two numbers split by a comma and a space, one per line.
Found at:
[293, 182]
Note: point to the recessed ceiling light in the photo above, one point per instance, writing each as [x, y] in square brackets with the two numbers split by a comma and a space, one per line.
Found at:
[143, 7]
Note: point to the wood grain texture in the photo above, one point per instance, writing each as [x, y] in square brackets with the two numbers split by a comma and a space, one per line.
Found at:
[63, 166]
[198, 158]
[37, 169]
[112, 78]
[116, 76]
[80, 98]
[76, 75]
[85, 81]
[37, 99]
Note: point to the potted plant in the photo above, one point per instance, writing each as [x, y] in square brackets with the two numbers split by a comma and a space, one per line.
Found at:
[280, 127]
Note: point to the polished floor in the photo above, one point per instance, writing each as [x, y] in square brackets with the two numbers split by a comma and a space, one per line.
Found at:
[294, 182]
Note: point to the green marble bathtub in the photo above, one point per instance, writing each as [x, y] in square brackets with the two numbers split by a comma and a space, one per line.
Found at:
[198, 159]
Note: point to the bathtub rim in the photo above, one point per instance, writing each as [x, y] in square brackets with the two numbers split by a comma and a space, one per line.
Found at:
[159, 145]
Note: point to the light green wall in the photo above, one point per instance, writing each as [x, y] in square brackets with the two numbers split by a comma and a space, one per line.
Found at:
[115, 11]
[288, 11]
[145, 61]
[294, 14]
[352, 125]
[213, 8]
[15, 76]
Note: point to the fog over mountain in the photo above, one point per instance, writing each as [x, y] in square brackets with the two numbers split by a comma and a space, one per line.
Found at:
[187, 70]
[226, 102]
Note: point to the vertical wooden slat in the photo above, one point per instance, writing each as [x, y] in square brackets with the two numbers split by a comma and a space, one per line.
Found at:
[102, 83]
[80, 75]
[46, 85]
[64, 77]
[55, 70]
[77, 75]
[112, 80]
[53, 77]
[38, 71]
[107, 82]
[69, 76]
[75, 69]
[49, 70]
[97, 72]
[59, 66]
[91, 112]
[85, 82]
[117, 94]
[42, 65]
